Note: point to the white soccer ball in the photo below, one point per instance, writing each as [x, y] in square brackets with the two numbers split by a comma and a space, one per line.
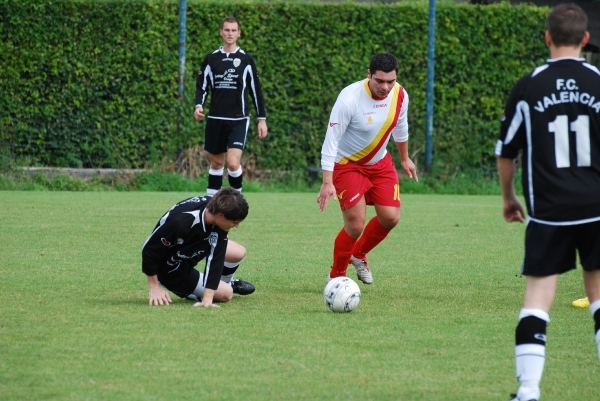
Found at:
[341, 294]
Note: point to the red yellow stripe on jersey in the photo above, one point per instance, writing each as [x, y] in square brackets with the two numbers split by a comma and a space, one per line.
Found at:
[366, 154]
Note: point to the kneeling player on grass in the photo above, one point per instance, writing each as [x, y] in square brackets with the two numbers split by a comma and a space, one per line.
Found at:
[196, 229]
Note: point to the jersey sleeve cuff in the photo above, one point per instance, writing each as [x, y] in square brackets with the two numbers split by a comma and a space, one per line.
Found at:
[327, 165]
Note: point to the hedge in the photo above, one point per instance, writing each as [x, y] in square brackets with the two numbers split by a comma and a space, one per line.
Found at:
[94, 84]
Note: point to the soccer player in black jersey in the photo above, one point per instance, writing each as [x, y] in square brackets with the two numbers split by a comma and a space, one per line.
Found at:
[196, 229]
[230, 75]
[553, 116]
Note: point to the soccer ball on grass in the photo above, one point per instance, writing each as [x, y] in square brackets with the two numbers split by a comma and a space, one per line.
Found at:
[341, 294]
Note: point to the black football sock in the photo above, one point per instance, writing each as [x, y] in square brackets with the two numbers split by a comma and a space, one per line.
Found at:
[235, 179]
[215, 181]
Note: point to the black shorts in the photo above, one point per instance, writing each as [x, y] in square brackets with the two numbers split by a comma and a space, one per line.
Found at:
[221, 135]
[552, 250]
[182, 283]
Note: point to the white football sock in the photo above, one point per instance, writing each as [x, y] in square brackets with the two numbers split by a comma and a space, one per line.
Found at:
[594, 307]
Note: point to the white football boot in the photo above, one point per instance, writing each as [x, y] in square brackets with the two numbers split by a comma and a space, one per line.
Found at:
[362, 270]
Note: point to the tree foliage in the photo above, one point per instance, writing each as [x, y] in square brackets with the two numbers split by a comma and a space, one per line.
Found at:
[94, 84]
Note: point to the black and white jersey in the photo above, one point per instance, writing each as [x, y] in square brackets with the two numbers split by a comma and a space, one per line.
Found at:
[553, 116]
[231, 78]
[181, 239]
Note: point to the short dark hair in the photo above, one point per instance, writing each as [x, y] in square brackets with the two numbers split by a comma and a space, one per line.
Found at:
[385, 62]
[567, 24]
[230, 18]
[230, 202]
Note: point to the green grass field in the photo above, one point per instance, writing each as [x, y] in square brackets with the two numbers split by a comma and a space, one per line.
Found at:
[437, 324]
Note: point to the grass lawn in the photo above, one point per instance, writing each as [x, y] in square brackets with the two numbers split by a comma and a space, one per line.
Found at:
[437, 324]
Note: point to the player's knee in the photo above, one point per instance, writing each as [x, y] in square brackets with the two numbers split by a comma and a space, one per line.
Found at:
[389, 222]
[217, 165]
[242, 253]
[235, 252]
[237, 256]
[354, 230]
[233, 165]
[393, 221]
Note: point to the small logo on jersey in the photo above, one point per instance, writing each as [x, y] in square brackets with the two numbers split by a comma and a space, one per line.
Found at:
[376, 106]
[165, 242]
[369, 120]
[212, 239]
[332, 124]
[540, 336]
[231, 69]
[341, 194]
[179, 241]
[195, 199]
[238, 143]
[236, 62]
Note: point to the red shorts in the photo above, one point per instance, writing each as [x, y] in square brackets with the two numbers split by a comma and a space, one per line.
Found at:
[378, 183]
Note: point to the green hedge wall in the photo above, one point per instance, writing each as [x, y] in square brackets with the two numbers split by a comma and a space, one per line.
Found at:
[94, 84]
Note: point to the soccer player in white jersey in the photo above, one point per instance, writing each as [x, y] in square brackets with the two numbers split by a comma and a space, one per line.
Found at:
[357, 167]
[553, 116]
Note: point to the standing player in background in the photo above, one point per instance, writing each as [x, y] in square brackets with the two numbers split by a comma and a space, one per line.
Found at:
[553, 116]
[197, 229]
[231, 75]
[357, 167]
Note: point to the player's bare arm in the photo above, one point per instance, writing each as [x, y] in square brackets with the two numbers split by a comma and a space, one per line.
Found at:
[407, 165]
[512, 208]
[327, 190]
[157, 295]
[262, 129]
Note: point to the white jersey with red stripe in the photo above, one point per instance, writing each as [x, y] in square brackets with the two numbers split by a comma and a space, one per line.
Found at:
[360, 125]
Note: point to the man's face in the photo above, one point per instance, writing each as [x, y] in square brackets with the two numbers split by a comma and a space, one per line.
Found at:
[230, 33]
[225, 224]
[381, 83]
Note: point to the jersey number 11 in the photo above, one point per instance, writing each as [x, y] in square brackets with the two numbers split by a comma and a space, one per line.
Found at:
[581, 126]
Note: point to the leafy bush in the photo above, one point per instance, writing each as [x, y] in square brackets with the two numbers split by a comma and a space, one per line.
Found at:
[94, 84]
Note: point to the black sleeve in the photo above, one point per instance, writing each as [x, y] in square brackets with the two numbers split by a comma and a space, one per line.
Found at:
[203, 83]
[512, 128]
[215, 263]
[256, 91]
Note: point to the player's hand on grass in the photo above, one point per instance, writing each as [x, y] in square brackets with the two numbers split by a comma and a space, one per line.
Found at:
[513, 211]
[158, 296]
[410, 169]
[206, 304]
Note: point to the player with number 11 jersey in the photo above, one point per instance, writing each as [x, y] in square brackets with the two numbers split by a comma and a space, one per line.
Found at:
[553, 115]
